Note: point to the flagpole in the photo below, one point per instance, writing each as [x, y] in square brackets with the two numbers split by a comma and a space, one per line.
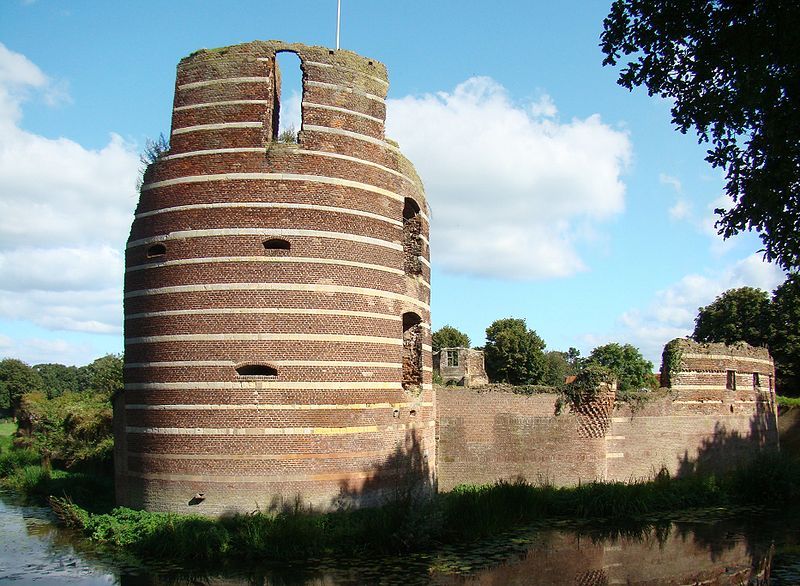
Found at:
[338, 21]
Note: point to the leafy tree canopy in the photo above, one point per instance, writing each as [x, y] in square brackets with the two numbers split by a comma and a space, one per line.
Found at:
[105, 375]
[737, 315]
[629, 367]
[16, 379]
[513, 353]
[58, 379]
[784, 344]
[449, 337]
[732, 72]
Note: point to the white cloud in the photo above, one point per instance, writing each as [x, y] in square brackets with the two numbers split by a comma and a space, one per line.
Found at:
[513, 191]
[65, 213]
[38, 351]
[672, 312]
[673, 182]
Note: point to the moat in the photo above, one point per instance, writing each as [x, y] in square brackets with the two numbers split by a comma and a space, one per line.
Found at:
[753, 548]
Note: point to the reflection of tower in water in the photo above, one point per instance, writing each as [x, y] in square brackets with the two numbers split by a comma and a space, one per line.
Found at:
[276, 295]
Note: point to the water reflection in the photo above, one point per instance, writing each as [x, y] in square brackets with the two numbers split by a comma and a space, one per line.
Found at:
[756, 549]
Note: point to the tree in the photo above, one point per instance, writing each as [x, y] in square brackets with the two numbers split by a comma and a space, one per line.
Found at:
[631, 369]
[556, 368]
[58, 379]
[449, 337]
[105, 375]
[732, 73]
[16, 379]
[513, 353]
[785, 340]
[737, 315]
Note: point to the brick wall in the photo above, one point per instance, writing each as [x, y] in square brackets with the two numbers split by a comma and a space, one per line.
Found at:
[205, 296]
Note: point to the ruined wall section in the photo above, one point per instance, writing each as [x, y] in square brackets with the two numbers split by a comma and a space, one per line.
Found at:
[266, 292]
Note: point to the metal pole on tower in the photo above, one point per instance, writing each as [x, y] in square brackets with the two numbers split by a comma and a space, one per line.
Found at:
[338, 21]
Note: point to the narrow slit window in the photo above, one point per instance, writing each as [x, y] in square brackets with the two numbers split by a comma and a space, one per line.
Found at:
[412, 238]
[289, 106]
[731, 380]
[756, 380]
[256, 370]
[452, 358]
[156, 251]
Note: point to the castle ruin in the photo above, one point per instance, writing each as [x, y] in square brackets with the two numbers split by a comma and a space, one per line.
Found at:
[277, 338]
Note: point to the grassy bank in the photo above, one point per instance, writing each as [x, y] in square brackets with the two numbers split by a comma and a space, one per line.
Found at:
[465, 514]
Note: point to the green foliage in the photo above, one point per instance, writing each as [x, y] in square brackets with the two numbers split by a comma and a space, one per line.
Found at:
[587, 384]
[737, 315]
[671, 359]
[288, 135]
[785, 341]
[513, 353]
[105, 375]
[58, 379]
[73, 428]
[788, 401]
[629, 367]
[730, 71]
[449, 337]
[16, 379]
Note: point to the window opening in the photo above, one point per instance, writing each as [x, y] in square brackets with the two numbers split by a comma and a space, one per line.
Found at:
[731, 382]
[412, 351]
[452, 357]
[289, 86]
[156, 250]
[756, 380]
[256, 370]
[277, 244]
[412, 238]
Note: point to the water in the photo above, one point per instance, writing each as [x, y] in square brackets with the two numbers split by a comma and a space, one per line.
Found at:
[753, 549]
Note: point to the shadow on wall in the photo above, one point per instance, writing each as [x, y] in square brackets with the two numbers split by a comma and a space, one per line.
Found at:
[404, 476]
[726, 450]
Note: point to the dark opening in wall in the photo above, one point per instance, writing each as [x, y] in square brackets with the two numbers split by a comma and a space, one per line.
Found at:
[412, 351]
[452, 357]
[730, 383]
[413, 246]
[289, 104]
[256, 370]
[277, 244]
[756, 380]
[156, 251]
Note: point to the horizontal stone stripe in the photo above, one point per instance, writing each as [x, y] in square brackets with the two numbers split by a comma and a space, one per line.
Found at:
[239, 479]
[265, 310]
[356, 71]
[201, 363]
[210, 233]
[424, 261]
[611, 455]
[212, 152]
[310, 287]
[220, 103]
[222, 80]
[264, 337]
[726, 357]
[266, 259]
[274, 407]
[262, 431]
[263, 384]
[342, 110]
[218, 126]
[258, 457]
[343, 88]
[692, 387]
[348, 134]
[270, 205]
[273, 177]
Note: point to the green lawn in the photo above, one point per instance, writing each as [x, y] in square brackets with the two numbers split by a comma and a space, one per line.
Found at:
[8, 428]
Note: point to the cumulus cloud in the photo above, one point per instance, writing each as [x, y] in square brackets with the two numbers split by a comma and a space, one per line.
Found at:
[64, 216]
[514, 192]
[672, 311]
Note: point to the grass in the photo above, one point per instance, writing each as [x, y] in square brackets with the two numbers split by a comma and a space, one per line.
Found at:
[788, 401]
[8, 428]
[466, 514]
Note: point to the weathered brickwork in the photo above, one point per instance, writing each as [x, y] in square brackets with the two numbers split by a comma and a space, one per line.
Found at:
[697, 425]
[277, 327]
[463, 366]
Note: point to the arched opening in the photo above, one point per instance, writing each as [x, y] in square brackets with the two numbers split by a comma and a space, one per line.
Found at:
[412, 351]
[288, 106]
[277, 244]
[156, 251]
[256, 370]
[413, 247]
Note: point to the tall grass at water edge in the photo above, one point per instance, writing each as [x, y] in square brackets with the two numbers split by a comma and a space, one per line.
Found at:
[467, 513]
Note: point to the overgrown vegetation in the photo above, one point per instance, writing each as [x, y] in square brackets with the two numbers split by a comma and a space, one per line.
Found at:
[466, 514]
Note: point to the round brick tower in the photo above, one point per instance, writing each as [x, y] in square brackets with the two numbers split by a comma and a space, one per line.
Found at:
[277, 338]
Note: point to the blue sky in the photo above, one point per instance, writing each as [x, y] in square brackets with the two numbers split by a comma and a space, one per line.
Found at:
[556, 195]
